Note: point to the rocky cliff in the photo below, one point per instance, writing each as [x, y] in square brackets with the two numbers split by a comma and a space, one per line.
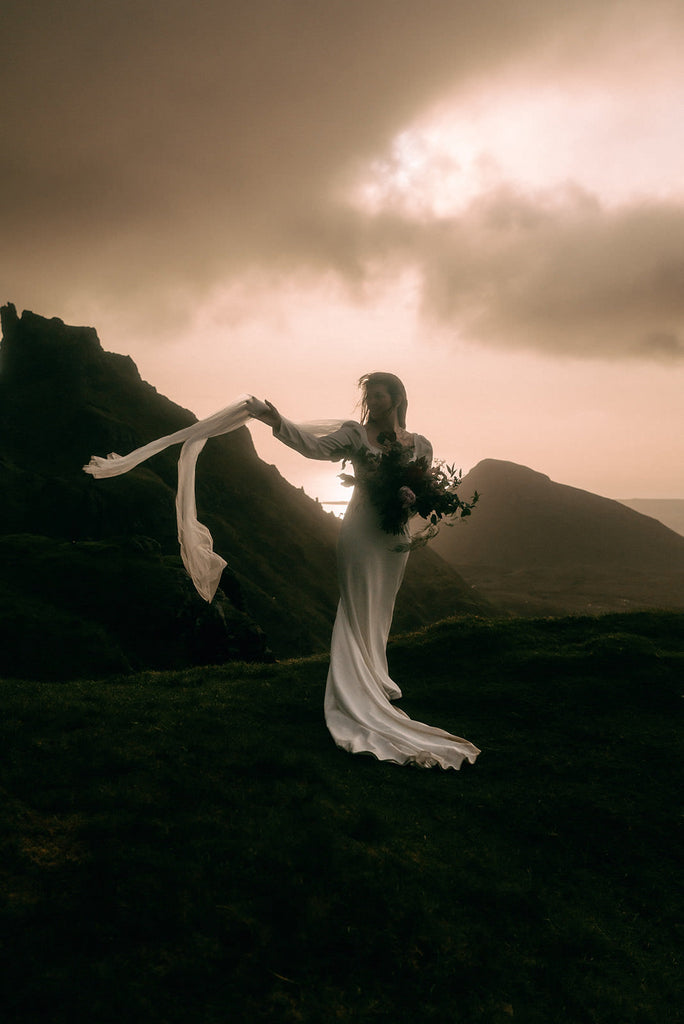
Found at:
[101, 556]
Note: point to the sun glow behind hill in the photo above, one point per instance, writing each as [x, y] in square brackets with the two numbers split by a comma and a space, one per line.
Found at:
[669, 512]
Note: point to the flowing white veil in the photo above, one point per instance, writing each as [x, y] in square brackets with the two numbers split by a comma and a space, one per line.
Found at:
[196, 545]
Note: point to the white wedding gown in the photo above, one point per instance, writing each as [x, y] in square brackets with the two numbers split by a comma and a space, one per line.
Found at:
[358, 711]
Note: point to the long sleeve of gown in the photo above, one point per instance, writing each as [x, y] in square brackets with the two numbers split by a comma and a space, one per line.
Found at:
[330, 447]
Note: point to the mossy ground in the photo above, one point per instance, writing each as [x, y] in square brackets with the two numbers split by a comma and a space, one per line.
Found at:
[191, 846]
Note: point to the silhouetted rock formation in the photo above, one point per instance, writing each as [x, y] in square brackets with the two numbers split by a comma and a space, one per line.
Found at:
[535, 546]
[63, 399]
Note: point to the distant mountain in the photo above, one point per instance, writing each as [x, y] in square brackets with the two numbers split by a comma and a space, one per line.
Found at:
[99, 558]
[669, 511]
[533, 546]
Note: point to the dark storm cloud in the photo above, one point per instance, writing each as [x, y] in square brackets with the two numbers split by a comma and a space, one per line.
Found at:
[151, 148]
[561, 273]
[197, 131]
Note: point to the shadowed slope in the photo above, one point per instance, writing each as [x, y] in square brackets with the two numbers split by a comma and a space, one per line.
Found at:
[191, 846]
[63, 399]
[535, 545]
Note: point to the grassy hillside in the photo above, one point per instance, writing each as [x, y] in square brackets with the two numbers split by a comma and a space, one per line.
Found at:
[57, 383]
[190, 846]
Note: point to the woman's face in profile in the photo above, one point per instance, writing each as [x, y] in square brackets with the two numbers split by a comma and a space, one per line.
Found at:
[378, 401]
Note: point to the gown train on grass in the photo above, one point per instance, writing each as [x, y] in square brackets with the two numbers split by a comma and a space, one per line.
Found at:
[359, 690]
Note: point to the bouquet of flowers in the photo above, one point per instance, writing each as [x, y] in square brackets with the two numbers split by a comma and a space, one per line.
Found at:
[400, 487]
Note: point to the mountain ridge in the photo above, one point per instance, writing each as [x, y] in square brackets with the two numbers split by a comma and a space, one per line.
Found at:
[64, 398]
[536, 546]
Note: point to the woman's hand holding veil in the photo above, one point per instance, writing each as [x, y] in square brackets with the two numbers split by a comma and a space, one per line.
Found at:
[264, 411]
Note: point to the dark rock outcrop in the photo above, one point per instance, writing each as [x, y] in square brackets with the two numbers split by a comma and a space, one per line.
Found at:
[62, 399]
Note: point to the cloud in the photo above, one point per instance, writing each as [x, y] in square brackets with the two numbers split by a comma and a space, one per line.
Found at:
[154, 150]
[555, 271]
[183, 136]
[560, 273]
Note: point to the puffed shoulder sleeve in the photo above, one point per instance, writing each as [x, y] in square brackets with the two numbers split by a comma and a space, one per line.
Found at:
[423, 448]
[330, 447]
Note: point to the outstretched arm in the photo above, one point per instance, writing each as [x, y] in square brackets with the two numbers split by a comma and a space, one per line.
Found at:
[330, 440]
[264, 411]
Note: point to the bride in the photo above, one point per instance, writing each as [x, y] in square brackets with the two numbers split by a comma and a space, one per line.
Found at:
[359, 690]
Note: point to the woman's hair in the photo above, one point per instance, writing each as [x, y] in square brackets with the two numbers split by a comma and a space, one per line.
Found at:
[395, 389]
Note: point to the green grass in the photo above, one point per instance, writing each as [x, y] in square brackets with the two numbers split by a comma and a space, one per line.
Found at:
[191, 846]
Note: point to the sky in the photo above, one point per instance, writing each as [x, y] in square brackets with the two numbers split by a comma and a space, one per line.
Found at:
[278, 196]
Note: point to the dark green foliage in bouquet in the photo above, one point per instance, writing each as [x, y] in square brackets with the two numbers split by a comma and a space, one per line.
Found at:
[401, 487]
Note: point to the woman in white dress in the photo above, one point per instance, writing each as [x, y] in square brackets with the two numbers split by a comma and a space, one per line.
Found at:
[359, 690]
